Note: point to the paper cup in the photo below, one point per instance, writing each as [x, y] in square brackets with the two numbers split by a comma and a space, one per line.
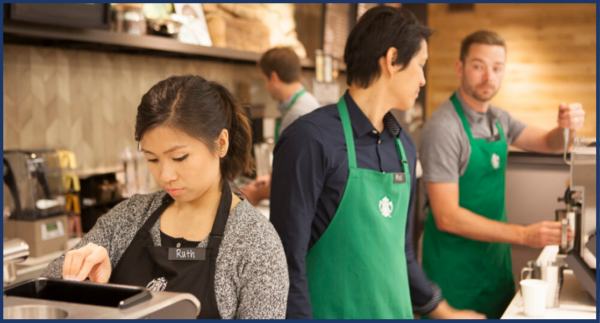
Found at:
[535, 293]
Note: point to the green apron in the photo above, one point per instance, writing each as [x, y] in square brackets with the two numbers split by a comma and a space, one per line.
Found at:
[278, 125]
[473, 274]
[357, 269]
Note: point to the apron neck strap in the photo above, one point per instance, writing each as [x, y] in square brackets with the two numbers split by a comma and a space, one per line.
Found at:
[156, 214]
[347, 125]
[216, 234]
[218, 228]
[500, 131]
[298, 95]
[402, 155]
[461, 114]
[287, 109]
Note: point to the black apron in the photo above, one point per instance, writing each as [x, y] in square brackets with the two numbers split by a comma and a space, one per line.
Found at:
[144, 264]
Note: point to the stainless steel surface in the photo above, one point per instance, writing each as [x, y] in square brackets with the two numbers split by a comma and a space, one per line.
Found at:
[9, 273]
[571, 219]
[262, 158]
[584, 273]
[560, 260]
[583, 182]
[162, 305]
[566, 141]
[35, 175]
[44, 296]
[534, 267]
[15, 251]
[583, 179]
[553, 274]
[34, 312]
[591, 245]
[563, 240]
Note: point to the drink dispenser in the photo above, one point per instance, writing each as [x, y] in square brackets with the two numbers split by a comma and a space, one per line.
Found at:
[580, 213]
[34, 183]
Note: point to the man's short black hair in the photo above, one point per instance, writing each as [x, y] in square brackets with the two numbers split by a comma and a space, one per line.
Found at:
[379, 29]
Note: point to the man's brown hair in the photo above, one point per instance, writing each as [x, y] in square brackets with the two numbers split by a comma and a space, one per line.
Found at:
[485, 37]
[283, 61]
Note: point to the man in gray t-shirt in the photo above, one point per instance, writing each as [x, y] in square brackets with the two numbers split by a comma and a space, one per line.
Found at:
[463, 152]
[280, 68]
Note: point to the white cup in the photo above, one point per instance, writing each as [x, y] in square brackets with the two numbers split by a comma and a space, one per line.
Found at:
[535, 292]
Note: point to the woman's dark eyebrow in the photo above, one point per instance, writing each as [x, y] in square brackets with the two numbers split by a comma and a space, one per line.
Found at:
[165, 152]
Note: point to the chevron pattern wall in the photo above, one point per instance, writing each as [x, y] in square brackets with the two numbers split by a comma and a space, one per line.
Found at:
[86, 101]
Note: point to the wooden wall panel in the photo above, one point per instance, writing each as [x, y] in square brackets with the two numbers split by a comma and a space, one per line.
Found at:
[309, 26]
[337, 28]
[551, 57]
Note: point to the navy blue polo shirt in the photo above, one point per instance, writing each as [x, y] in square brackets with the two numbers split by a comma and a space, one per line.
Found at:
[310, 172]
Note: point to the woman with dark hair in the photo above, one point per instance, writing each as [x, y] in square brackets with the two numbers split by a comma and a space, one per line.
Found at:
[196, 138]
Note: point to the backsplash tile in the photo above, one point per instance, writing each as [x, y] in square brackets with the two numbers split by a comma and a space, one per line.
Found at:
[87, 101]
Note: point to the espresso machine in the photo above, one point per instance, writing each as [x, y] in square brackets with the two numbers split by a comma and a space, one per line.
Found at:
[34, 200]
[34, 181]
[580, 213]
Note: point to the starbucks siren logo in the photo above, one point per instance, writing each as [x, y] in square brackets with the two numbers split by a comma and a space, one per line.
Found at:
[386, 207]
[495, 161]
[157, 285]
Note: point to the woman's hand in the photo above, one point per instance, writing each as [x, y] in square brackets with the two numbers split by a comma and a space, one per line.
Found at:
[90, 261]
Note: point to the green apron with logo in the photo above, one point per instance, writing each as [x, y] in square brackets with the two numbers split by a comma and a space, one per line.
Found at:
[278, 125]
[473, 274]
[357, 269]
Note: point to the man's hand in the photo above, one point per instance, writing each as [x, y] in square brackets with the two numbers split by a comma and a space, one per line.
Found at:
[258, 189]
[540, 140]
[546, 233]
[570, 116]
[445, 311]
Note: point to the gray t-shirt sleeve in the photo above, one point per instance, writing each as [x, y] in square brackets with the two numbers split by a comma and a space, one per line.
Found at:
[440, 146]
[512, 126]
[305, 104]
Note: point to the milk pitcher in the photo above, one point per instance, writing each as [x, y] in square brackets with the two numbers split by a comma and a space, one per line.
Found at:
[553, 274]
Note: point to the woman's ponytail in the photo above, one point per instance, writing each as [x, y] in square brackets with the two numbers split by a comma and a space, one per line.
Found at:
[239, 156]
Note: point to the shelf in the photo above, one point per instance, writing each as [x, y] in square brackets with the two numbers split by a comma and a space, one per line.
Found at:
[116, 201]
[102, 40]
[87, 173]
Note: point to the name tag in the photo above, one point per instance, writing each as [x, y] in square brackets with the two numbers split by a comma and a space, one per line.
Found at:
[187, 253]
[399, 178]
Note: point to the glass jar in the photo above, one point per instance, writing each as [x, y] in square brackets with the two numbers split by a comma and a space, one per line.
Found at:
[130, 19]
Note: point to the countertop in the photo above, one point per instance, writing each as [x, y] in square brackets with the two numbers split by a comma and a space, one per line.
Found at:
[574, 302]
[33, 267]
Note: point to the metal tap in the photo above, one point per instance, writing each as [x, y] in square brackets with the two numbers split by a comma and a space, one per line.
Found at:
[15, 251]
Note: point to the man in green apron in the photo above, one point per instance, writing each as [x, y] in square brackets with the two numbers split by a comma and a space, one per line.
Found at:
[463, 150]
[344, 182]
[280, 69]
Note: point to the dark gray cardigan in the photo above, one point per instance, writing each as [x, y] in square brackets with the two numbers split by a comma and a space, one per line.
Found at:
[251, 278]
